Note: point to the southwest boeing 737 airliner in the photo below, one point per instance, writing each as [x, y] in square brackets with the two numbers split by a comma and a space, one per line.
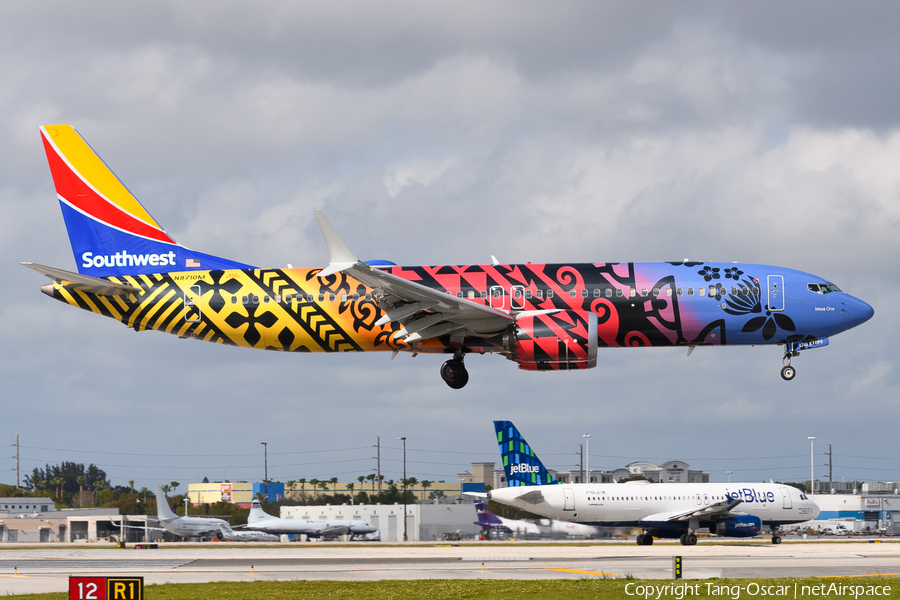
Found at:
[541, 316]
[663, 510]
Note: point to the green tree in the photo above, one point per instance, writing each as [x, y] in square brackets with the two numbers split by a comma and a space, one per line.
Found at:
[174, 485]
[164, 489]
[131, 484]
[81, 480]
[290, 488]
[333, 481]
[315, 485]
[58, 482]
[371, 477]
[302, 482]
[425, 485]
[350, 487]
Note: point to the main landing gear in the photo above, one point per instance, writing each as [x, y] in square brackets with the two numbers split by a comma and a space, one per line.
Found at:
[645, 539]
[454, 372]
[689, 539]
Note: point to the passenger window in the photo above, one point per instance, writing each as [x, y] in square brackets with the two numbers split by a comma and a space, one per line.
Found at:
[539, 294]
[528, 294]
[632, 292]
[265, 299]
[331, 297]
[484, 295]
[619, 292]
[277, 299]
[597, 292]
[254, 299]
[356, 297]
[471, 294]
[655, 292]
[584, 293]
[343, 297]
[734, 291]
[668, 291]
[550, 293]
[712, 290]
[234, 299]
[643, 292]
[745, 291]
[609, 292]
[459, 294]
[497, 293]
[572, 293]
[701, 291]
[321, 297]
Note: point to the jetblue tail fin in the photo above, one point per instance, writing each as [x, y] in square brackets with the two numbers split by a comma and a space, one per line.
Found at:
[110, 232]
[485, 517]
[163, 511]
[521, 464]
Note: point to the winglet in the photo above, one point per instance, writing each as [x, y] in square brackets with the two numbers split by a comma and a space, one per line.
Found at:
[340, 256]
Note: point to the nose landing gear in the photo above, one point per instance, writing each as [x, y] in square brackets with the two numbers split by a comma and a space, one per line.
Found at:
[454, 372]
[787, 371]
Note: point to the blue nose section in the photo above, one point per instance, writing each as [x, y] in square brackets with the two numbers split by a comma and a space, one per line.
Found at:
[857, 312]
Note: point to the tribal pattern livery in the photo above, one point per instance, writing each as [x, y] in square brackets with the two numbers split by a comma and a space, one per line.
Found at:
[544, 317]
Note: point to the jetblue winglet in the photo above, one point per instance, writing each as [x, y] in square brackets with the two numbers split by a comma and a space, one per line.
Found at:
[521, 464]
[340, 257]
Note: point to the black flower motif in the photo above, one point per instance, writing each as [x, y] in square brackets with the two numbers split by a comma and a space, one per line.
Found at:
[718, 293]
[770, 324]
[733, 273]
[709, 273]
[744, 304]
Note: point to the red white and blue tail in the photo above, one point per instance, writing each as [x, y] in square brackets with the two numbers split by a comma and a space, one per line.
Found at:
[110, 232]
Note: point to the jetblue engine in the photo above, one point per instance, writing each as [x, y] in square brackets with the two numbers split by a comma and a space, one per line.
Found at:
[742, 526]
[558, 341]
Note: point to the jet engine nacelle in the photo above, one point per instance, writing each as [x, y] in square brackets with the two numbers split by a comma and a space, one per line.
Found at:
[558, 341]
[742, 526]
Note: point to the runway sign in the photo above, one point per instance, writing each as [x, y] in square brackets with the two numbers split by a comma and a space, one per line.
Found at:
[106, 588]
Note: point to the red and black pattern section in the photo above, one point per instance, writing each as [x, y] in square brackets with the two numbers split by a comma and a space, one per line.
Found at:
[564, 340]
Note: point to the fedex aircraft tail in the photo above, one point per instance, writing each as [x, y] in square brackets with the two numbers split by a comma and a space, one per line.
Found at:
[110, 232]
[485, 517]
[256, 513]
[163, 511]
[521, 464]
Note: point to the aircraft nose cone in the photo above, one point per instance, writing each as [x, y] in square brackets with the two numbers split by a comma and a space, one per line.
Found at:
[857, 312]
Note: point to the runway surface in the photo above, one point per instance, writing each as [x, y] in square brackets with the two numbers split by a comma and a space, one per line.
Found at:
[46, 569]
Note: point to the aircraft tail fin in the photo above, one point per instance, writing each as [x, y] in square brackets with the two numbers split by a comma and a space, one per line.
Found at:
[485, 517]
[521, 464]
[163, 510]
[257, 514]
[110, 232]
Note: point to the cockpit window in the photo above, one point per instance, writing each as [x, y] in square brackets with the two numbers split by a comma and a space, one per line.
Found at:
[829, 287]
[813, 287]
[803, 496]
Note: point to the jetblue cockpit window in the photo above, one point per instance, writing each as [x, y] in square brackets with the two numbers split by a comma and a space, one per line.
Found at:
[823, 288]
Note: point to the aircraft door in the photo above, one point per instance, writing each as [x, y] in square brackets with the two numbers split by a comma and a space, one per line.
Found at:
[776, 293]
[517, 297]
[497, 296]
[786, 498]
[192, 313]
[570, 499]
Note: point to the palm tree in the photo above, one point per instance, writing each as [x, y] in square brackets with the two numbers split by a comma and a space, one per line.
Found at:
[425, 485]
[290, 486]
[350, 487]
[175, 485]
[361, 479]
[324, 485]
[164, 489]
[80, 479]
[58, 482]
[302, 482]
[143, 492]
[131, 483]
[333, 481]
[315, 484]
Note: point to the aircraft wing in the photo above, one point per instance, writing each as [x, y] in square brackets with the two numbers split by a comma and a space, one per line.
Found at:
[429, 313]
[91, 285]
[711, 511]
[127, 526]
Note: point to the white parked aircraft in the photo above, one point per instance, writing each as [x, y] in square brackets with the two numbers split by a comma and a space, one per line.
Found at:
[259, 520]
[204, 528]
[664, 510]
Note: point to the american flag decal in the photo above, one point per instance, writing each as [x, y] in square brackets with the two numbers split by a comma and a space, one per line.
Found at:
[192, 262]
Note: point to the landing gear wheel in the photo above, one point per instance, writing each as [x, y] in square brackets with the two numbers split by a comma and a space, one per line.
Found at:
[645, 539]
[454, 374]
[788, 372]
[691, 539]
[683, 539]
[776, 539]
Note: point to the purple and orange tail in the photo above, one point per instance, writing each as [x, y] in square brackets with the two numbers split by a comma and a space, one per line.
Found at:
[110, 232]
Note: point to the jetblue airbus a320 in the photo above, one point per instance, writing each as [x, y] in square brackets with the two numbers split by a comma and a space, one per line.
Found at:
[541, 316]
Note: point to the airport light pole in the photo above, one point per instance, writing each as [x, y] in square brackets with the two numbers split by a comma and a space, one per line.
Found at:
[404, 486]
[812, 485]
[729, 475]
[587, 457]
[265, 446]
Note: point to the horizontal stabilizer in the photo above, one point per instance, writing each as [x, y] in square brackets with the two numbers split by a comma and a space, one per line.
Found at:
[85, 283]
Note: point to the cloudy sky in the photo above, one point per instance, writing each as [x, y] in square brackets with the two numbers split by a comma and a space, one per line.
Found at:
[436, 133]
